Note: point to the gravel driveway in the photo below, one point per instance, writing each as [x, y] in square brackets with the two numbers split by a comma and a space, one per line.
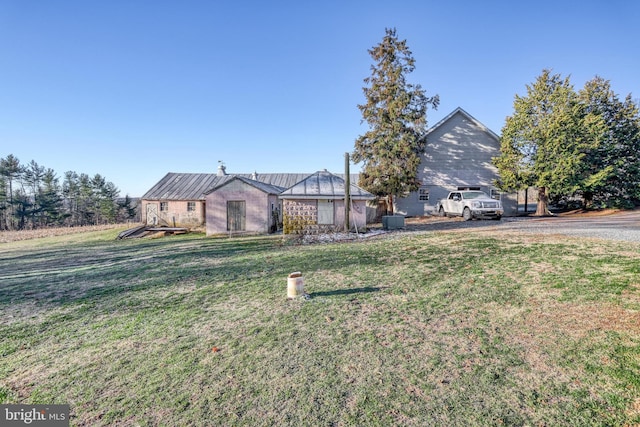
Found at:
[622, 226]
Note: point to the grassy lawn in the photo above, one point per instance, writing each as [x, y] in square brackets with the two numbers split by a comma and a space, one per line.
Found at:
[457, 328]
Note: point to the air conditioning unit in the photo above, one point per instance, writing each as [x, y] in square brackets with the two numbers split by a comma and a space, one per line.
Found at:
[392, 222]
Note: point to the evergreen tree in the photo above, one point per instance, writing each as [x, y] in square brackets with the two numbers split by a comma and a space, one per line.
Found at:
[105, 194]
[86, 200]
[614, 164]
[126, 209]
[396, 112]
[4, 203]
[545, 141]
[71, 195]
[31, 196]
[10, 170]
[50, 200]
[32, 177]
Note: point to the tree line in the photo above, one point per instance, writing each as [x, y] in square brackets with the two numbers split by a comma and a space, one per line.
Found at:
[33, 196]
[572, 145]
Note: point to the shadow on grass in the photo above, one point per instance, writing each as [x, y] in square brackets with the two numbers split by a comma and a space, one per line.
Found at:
[345, 292]
[110, 274]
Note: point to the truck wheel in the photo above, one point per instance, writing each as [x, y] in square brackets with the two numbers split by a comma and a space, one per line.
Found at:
[466, 214]
[441, 212]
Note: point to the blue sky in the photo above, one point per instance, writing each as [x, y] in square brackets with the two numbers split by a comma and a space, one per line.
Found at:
[135, 89]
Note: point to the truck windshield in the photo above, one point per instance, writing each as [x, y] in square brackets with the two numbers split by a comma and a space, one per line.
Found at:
[474, 194]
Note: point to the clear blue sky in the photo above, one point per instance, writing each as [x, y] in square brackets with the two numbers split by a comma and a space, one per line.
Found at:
[135, 89]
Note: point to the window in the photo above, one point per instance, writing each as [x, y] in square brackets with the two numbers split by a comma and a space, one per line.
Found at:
[423, 194]
[164, 206]
[325, 212]
[191, 206]
[496, 194]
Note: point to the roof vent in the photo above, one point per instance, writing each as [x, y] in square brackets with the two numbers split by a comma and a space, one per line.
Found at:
[254, 176]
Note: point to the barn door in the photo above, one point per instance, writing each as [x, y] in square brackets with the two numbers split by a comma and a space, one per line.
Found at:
[236, 215]
[152, 213]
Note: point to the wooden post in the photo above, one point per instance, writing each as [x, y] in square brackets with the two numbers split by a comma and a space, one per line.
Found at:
[347, 192]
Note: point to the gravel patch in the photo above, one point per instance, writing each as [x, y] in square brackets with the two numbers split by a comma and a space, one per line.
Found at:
[609, 229]
[621, 226]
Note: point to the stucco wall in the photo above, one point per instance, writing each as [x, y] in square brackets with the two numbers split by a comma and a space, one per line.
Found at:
[458, 153]
[257, 204]
[357, 215]
[176, 215]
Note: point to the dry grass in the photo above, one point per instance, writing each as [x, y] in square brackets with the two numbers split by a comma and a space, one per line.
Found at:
[16, 236]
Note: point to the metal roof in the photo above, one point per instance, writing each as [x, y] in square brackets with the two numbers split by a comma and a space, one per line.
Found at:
[194, 186]
[182, 186]
[324, 185]
[267, 188]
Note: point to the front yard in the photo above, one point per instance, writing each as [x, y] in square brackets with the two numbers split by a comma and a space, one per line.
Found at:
[444, 328]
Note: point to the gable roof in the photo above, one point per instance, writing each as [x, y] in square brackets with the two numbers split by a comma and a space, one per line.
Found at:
[267, 188]
[324, 185]
[181, 186]
[194, 186]
[468, 117]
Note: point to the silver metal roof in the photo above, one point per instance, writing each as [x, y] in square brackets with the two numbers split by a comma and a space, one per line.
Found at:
[182, 186]
[325, 185]
[194, 186]
[267, 188]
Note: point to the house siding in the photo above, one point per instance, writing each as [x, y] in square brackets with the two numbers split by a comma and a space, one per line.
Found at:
[258, 208]
[458, 153]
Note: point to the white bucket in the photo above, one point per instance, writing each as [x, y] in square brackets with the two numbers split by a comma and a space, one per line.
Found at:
[295, 285]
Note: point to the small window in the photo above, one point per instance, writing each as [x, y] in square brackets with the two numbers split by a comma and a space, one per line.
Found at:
[423, 194]
[496, 194]
[164, 206]
[191, 206]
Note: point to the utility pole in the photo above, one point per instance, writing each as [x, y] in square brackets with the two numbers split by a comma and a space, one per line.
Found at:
[347, 193]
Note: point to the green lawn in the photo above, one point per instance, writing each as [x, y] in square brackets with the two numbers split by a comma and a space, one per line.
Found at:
[451, 328]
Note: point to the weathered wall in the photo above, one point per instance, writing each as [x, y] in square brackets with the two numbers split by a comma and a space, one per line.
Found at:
[357, 215]
[176, 215]
[257, 203]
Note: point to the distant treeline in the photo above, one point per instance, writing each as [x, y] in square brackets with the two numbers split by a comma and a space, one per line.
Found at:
[32, 196]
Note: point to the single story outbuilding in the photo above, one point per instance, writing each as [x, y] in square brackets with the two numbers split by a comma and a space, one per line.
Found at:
[242, 205]
[317, 205]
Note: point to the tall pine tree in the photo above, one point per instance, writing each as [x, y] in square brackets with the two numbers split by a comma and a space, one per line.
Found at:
[614, 164]
[545, 141]
[396, 112]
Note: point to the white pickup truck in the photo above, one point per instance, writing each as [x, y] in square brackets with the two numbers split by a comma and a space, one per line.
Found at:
[469, 205]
